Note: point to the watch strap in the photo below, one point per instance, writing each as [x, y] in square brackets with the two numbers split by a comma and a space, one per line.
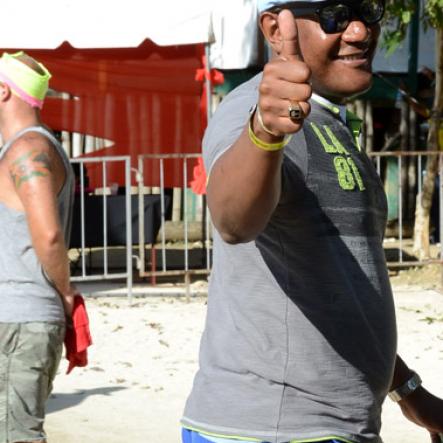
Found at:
[406, 388]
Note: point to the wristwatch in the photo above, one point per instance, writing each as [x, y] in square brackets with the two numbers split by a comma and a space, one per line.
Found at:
[405, 389]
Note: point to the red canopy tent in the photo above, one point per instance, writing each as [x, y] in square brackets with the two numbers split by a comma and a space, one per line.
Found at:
[146, 100]
[142, 97]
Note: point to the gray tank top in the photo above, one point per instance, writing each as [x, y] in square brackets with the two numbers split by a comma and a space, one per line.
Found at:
[26, 294]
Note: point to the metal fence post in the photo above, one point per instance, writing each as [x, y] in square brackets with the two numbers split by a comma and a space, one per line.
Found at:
[128, 227]
[106, 275]
[141, 215]
[377, 156]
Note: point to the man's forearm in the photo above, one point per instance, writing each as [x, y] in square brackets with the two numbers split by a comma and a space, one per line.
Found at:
[243, 190]
[53, 257]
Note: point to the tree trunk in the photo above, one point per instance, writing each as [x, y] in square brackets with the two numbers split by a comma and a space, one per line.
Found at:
[424, 200]
[404, 146]
[412, 172]
[423, 209]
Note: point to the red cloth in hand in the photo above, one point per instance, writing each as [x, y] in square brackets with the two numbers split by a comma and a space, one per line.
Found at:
[78, 336]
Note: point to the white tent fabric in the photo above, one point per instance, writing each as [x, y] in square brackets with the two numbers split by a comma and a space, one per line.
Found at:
[46, 24]
[238, 42]
[230, 25]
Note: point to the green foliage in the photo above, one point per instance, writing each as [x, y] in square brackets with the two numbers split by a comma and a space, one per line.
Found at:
[434, 13]
[399, 14]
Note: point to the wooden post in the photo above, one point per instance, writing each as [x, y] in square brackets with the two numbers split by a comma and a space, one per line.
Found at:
[176, 204]
[153, 264]
[188, 286]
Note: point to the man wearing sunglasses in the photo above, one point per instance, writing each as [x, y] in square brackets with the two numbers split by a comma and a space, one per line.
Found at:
[300, 338]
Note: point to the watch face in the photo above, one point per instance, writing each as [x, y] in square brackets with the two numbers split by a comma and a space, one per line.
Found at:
[412, 384]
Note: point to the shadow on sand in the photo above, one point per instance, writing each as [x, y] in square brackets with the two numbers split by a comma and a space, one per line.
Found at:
[58, 402]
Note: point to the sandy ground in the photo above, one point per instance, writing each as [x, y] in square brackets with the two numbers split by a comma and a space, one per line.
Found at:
[144, 357]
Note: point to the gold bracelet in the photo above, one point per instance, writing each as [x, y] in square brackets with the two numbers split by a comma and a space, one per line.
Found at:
[260, 143]
[261, 123]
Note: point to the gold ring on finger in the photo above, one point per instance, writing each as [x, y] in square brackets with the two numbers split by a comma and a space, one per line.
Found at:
[295, 112]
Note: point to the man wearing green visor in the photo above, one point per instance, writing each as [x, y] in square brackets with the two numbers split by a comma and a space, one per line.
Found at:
[36, 196]
[300, 337]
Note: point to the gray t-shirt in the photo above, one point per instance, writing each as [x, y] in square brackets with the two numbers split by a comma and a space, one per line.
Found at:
[26, 295]
[300, 336]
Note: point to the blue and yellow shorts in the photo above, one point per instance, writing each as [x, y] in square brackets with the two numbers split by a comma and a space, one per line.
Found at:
[189, 436]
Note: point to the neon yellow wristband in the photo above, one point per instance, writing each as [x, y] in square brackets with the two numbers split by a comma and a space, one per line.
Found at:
[260, 143]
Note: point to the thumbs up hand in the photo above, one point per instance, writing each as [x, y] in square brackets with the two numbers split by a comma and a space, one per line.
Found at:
[285, 89]
[289, 36]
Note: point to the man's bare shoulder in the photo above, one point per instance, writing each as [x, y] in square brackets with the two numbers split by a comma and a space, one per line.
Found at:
[31, 157]
[29, 144]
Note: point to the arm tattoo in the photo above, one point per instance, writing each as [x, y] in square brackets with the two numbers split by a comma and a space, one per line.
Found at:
[31, 165]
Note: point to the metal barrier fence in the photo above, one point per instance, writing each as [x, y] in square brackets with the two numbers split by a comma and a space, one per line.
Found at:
[181, 165]
[95, 208]
[402, 173]
[391, 166]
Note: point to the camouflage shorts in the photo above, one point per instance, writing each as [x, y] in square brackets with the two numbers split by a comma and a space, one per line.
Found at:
[29, 357]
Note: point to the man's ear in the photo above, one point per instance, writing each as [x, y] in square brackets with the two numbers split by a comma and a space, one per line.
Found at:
[268, 22]
[5, 92]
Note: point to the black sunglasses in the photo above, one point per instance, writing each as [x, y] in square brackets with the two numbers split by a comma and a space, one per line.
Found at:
[335, 16]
